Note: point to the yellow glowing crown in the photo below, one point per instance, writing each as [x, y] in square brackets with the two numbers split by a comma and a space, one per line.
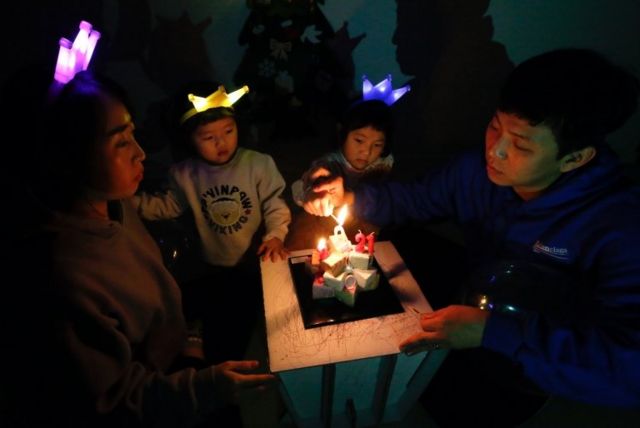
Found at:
[219, 98]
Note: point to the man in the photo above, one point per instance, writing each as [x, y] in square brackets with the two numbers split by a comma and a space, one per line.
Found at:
[552, 227]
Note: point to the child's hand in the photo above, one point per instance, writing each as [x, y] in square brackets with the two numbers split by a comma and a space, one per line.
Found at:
[273, 249]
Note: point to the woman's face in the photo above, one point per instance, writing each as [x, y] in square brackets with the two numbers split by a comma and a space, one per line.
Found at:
[117, 164]
[520, 155]
[216, 141]
[363, 146]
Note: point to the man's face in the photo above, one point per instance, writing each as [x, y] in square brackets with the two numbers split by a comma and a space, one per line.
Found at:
[216, 141]
[520, 155]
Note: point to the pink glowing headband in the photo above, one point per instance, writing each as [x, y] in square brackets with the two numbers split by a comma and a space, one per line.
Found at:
[74, 57]
[382, 91]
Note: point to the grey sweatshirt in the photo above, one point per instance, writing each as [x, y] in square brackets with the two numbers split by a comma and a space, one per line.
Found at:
[229, 203]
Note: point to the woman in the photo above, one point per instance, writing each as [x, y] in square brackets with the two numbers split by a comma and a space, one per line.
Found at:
[104, 314]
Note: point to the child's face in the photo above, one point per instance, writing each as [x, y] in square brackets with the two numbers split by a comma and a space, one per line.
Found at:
[216, 141]
[363, 146]
[520, 155]
[117, 163]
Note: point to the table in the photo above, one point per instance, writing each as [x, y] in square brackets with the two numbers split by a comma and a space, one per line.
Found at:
[352, 373]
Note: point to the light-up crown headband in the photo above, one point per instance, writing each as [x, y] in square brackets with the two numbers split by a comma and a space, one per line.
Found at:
[382, 91]
[219, 98]
[75, 57]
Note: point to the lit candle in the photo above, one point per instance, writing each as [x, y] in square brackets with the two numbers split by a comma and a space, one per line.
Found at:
[342, 216]
[339, 241]
[370, 241]
[361, 240]
[323, 252]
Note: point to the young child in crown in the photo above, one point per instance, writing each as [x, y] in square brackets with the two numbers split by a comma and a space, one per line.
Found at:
[232, 192]
[363, 155]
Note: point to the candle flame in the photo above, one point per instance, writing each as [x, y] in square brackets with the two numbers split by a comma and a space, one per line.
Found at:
[342, 215]
[322, 244]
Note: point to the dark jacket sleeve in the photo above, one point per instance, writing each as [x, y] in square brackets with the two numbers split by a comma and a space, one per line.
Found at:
[437, 195]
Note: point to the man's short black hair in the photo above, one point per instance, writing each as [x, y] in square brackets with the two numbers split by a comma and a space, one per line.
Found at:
[578, 93]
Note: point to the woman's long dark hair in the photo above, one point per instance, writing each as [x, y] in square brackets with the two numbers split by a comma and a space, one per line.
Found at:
[74, 123]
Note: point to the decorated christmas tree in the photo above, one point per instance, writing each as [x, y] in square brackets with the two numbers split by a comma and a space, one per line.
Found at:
[296, 65]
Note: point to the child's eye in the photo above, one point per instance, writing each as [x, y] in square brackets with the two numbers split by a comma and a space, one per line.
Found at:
[229, 130]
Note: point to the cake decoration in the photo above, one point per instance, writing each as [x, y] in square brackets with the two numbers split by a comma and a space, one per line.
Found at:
[343, 270]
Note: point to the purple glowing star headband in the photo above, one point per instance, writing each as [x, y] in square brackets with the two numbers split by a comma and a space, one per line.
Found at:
[74, 57]
[382, 91]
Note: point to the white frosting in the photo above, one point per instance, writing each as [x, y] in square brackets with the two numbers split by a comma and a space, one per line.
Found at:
[346, 273]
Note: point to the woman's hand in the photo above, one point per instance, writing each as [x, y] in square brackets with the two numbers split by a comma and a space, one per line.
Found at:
[232, 383]
[456, 327]
[273, 249]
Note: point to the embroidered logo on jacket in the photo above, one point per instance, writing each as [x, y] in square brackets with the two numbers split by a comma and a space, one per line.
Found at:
[226, 208]
[555, 252]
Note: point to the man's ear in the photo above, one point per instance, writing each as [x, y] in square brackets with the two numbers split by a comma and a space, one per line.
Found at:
[577, 159]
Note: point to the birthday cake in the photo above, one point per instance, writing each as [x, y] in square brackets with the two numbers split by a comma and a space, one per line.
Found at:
[341, 269]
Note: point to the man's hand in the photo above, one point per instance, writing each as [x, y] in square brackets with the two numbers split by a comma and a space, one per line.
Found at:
[456, 327]
[327, 193]
[232, 383]
[273, 249]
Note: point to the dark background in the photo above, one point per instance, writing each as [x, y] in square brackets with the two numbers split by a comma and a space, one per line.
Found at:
[303, 62]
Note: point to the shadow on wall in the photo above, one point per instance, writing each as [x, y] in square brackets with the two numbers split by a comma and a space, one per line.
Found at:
[297, 63]
[446, 45]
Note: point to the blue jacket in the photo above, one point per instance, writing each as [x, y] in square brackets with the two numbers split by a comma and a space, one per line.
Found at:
[587, 225]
